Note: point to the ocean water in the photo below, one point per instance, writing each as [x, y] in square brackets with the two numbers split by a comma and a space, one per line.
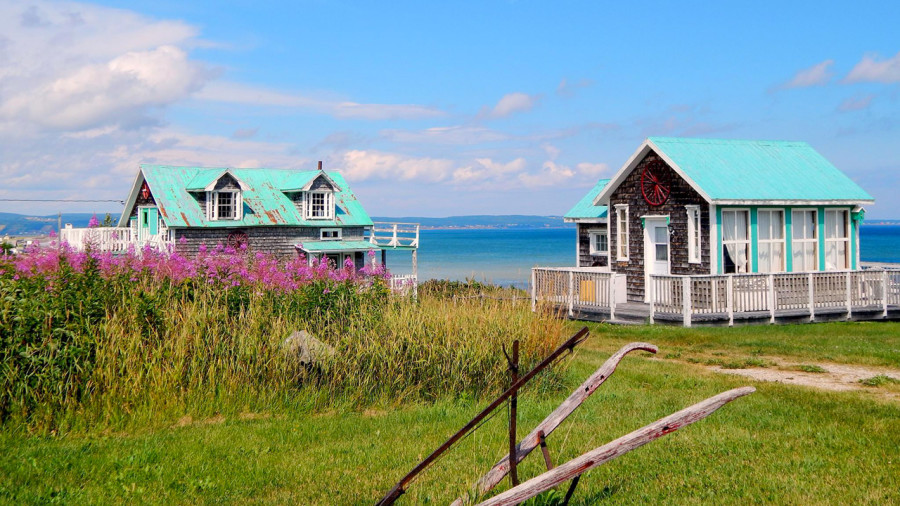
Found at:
[506, 256]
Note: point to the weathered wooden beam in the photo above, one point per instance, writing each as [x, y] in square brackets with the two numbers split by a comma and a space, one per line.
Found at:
[552, 421]
[613, 449]
[567, 346]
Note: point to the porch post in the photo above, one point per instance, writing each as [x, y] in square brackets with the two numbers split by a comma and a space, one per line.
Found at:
[729, 299]
[812, 297]
[571, 293]
[611, 279]
[652, 289]
[771, 300]
[533, 290]
[849, 296]
[686, 299]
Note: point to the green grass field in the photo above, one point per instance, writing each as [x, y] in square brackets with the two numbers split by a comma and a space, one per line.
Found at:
[783, 444]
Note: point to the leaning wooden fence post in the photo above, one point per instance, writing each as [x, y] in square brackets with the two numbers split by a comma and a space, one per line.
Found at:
[554, 419]
[580, 465]
[513, 404]
[686, 300]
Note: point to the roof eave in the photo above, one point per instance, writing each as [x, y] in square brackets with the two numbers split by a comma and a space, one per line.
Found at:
[790, 202]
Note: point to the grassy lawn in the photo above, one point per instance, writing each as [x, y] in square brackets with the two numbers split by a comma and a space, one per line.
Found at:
[783, 444]
[861, 343]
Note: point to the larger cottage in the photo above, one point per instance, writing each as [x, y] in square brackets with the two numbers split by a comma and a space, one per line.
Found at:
[689, 225]
[276, 211]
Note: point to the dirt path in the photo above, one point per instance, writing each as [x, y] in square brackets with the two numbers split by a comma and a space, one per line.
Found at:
[837, 377]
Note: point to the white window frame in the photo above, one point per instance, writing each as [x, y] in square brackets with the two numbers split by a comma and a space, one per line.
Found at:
[325, 231]
[328, 211]
[748, 243]
[592, 238]
[845, 240]
[212, 205]
[814, 240]
[694, 230]
[622, 223]
[768, 243]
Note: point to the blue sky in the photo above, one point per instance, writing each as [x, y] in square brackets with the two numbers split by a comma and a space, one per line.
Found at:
[434, 108]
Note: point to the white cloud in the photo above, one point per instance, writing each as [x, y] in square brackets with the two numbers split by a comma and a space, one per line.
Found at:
[551, 174]
[451, 135]
[869, 69]
[817, 75]
[856, 103]
[569, 90]
[512, 103]
[592, 170]
[109, 93]
[257, 96]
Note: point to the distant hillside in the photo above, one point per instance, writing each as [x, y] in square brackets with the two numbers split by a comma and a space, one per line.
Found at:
[483, 221]
[20, 224]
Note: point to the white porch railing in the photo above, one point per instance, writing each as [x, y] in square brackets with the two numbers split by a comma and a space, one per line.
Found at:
[393, 235]
[774, 294]
[404, 284]
[581, 288]
[112, 239]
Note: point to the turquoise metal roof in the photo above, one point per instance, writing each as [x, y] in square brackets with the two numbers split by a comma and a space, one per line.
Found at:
[759, 170]
[265, 201]
[585, 208]
[327, 246]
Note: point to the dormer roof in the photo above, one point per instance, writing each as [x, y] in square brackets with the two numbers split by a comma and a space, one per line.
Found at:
[266, 195]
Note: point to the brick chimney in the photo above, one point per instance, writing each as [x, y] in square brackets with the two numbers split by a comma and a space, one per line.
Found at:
[320, 164]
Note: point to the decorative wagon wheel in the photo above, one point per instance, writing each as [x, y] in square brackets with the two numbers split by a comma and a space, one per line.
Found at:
[655, 185]
[238, 238]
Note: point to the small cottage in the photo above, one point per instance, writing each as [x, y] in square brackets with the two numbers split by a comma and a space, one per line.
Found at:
[702, 207]
[275, 211]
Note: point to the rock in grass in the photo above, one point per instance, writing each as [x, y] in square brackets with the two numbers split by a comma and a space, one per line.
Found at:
[304, 347]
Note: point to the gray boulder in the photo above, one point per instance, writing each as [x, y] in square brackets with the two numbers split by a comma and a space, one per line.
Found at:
[304, 347]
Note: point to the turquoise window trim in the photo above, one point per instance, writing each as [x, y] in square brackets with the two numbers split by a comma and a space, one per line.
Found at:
[754, 240]
[853, 227]
[788, 240]
[644, 225]
[719, 247]
[820, 233]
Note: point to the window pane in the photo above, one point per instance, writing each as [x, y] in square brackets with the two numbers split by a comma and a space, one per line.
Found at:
[777, 257]
[661, 235]
[809, 254]
[842, 255]
[765, 257]
[777, 218]
[765, 225]
[728, 225]
[830, 224]
[662, 252]
[741, 225]
[602, 243]
[831, 255]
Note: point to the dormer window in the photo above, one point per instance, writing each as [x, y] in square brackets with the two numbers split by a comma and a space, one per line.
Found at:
[224, 205]
[321, 206]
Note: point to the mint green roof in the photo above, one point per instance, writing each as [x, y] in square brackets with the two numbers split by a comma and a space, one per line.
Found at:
[265, 203]
[328, 246]
[759, 170]
[585, 208]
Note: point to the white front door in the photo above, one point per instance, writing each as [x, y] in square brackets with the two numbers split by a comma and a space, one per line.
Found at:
[656, 250]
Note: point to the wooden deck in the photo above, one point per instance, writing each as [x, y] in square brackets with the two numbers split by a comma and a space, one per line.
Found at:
[741, 299]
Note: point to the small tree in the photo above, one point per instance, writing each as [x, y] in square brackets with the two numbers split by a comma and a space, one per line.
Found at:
[108, 221]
